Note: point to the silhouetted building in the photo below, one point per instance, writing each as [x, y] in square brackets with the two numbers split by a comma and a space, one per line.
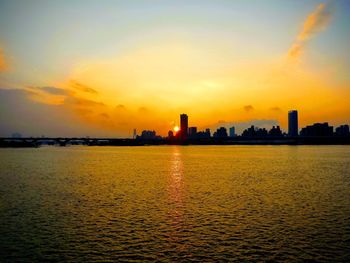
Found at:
[342, 130]
[232, 132]
[170, 134]
[183, 126]
[207, 131]
[293, 123]
[220, 133]
[203, 134]
[255, 132]
[249, 132]
[275, 131]
[317, 129]
[192, 132]
[148, 135]
[261, 132]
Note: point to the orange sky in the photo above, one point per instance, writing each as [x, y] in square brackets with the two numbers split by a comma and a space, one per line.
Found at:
[151, 80]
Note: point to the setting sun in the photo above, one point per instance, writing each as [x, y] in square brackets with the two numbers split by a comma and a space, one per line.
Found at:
[176, 129]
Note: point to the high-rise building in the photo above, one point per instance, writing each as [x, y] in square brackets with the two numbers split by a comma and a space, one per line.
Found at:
[232, 131]
[293, 123]
[183, 126]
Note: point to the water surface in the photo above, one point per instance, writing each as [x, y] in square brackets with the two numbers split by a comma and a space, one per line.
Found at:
[175, 203]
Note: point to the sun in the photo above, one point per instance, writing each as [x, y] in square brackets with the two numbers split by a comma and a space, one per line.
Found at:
[176, 128]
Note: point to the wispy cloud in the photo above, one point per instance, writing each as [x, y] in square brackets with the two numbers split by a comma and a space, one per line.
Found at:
[315, 22]
[277, 109]
[248, 108]
[81, 102]
[82, 87]
[51, 90]
[120, 107]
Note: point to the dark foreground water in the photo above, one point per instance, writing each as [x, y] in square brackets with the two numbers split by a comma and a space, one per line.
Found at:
[173, 203]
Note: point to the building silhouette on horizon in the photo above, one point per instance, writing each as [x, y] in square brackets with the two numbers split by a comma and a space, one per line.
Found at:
[170, 134]
[192, 132]
[149, 135]
[275, 131]
[253, 131]
[220, 133]
[342, 130]
[293, 123]
[317, 130]
[183, 126]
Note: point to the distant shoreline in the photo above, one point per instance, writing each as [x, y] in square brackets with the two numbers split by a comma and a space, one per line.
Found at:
[239, 140]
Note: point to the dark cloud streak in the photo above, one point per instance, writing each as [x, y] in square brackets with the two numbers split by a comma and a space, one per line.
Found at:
[82, 87]
[276, 109]
[248, 108]
[50, 90]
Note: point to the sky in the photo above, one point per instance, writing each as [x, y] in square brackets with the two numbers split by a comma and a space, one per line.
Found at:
[103, 68]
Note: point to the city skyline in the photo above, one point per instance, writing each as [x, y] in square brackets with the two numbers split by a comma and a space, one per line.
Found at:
[189, 132]
[138, 66]
[317, 133]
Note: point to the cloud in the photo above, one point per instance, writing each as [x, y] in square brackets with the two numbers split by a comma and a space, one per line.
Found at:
[3, 65]
[19, 113]
[75, 116]
[51, 90]
[104, 115]
[248, 108]
[316, 21]
[82, 87]
[275, 109]
[83, 102]
[47, 94]
[120, 107]
[143, 110]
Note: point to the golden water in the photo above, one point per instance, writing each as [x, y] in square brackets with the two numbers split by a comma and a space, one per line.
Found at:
[175, 203]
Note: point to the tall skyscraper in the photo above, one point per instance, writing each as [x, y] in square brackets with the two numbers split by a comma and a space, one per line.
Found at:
[183, 126]
[293, 123]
